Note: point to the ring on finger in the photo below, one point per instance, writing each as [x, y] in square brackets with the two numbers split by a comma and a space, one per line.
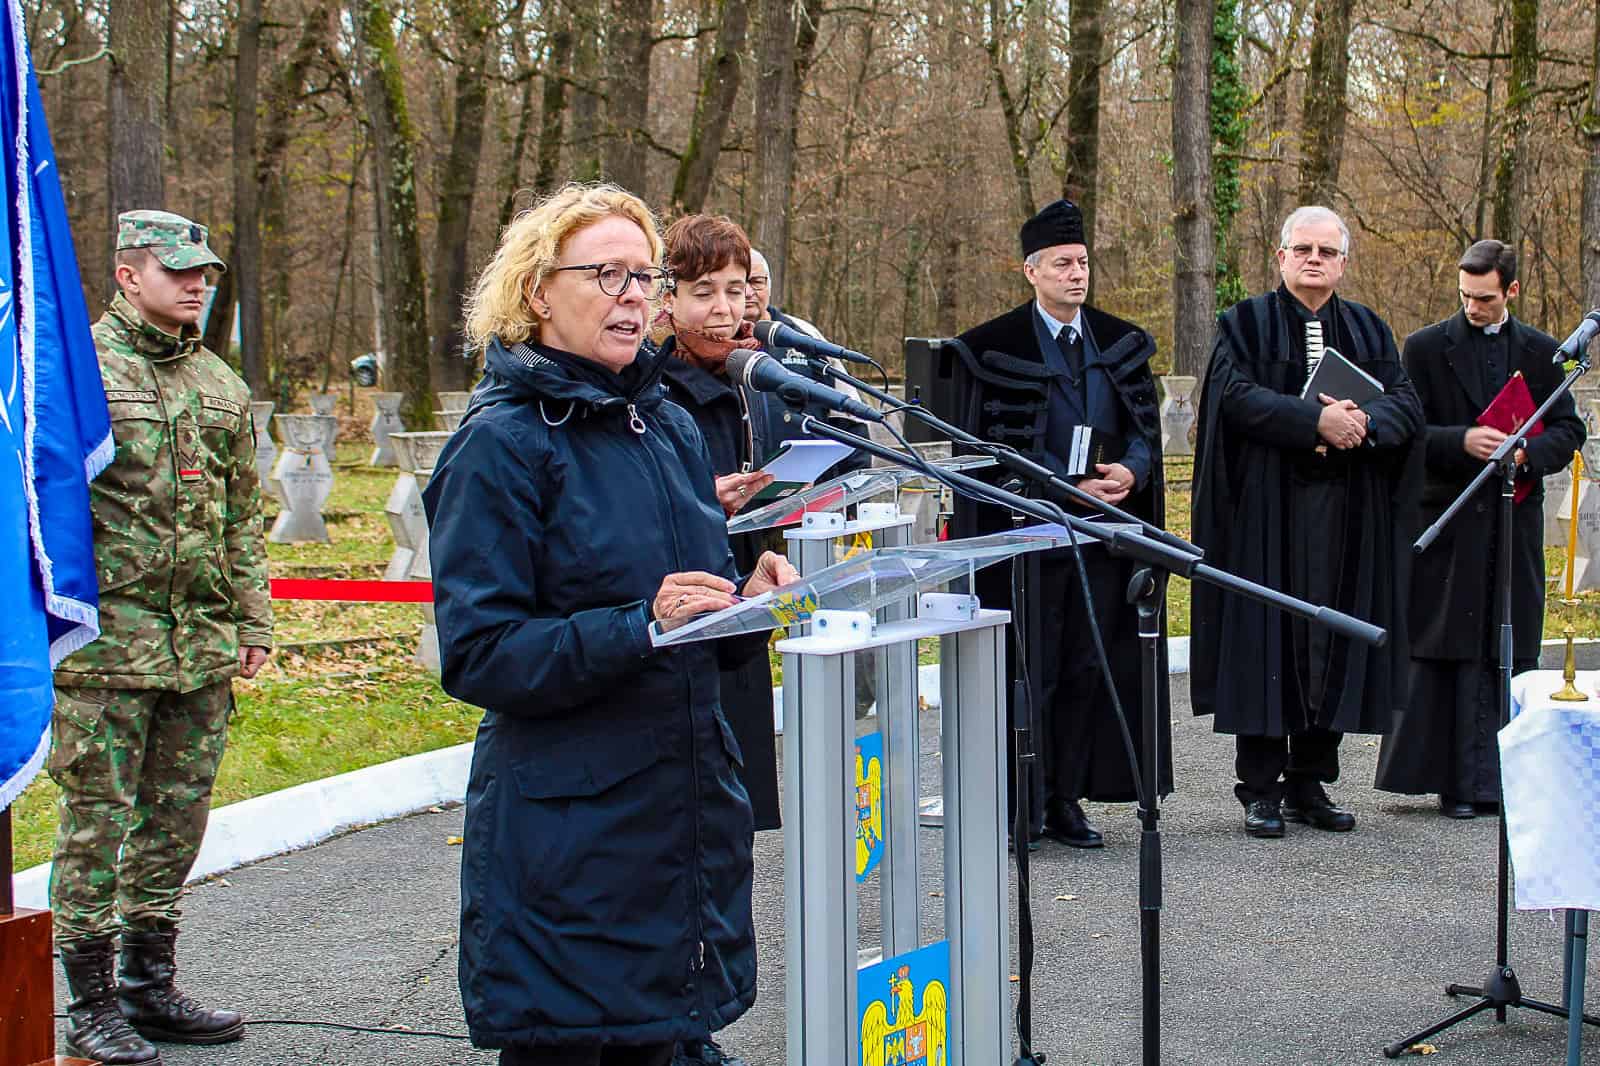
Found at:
[681, 601]
[741, 490]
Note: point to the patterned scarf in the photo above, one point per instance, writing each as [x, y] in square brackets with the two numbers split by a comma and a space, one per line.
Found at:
[698, 348]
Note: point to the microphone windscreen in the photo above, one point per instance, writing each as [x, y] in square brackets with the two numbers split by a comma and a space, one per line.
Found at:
[766, 332]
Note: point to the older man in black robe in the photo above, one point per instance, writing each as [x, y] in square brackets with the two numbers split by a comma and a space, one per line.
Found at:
[1444, 737]
[1310, 496]
[1030, 378]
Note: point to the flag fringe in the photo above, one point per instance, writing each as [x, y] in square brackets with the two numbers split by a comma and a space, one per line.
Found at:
[14, 785]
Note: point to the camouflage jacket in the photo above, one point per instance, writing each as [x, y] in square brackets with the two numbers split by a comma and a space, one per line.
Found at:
[177, 516]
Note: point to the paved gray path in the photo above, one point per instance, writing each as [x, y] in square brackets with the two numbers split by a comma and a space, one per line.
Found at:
[1314, 949]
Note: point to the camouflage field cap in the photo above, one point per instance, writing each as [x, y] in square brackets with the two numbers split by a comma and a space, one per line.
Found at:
[178, 243]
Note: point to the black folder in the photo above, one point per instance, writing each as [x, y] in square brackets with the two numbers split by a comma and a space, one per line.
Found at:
[1338, 377]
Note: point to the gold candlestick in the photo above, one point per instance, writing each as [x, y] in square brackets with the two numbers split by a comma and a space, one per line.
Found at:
[1569, 673]
[1569, 692]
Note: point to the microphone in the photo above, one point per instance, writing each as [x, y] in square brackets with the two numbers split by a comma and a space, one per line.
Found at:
[761, 372]
[775, 334]
[1577, 343]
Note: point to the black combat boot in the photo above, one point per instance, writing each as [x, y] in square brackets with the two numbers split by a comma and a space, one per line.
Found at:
[96, 1029]
[153, 1004]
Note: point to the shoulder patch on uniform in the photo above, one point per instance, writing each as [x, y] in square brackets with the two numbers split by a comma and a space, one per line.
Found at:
[217, 403]
[130, 396]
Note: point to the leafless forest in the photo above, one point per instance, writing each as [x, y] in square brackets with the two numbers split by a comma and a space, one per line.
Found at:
[357, 161]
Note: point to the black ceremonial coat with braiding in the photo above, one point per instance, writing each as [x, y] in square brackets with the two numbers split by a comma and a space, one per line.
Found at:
[1002, 391]
[1330, 527]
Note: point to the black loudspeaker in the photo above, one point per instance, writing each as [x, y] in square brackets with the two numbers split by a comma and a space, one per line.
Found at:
[930, 381]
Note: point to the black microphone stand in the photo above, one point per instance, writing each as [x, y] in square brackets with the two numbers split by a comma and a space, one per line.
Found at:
[1146, 592]
[1159, 558]
[1500, 989]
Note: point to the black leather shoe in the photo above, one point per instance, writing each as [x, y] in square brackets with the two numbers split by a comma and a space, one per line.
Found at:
[1033, 844]
[154, 1006]
[1451, 807]
[1487, 807]
[1066, 822]
[96, 1029]
[1315, 809]
[1262, 819]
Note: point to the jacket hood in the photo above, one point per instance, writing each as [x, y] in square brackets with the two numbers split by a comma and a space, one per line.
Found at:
[528, 372]
[147, 340]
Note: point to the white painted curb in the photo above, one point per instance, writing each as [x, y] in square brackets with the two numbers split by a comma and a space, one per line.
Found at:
[308, 814]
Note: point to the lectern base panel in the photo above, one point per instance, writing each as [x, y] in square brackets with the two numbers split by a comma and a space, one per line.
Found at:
[27, 990]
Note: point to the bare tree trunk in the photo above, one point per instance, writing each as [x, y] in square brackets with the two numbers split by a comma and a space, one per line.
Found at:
[784, 53]
[585, 103]
[712, 110]
[1322, 117]
[135, 116]
[1590, 257]
[1486, 153]
[629, 42]
[246, 264]
[1510, 176]
[456, 193]
[1194, 246]
[955, 201]
[1009, 109]
[1085, 48]
[282, 105]
[405, 303]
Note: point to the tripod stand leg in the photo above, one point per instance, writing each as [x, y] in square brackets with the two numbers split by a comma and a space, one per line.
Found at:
[1398, 1048]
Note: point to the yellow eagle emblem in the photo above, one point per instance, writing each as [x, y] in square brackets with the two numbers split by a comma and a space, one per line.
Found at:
[909, 1039]
[869, 811]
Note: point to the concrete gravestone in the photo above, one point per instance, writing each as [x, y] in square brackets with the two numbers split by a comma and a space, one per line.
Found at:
[303, 472]
[385, 420]
[1177, 414]
[417, 453]
[450, 418]
[322, 404]
[454, 401]
[1556, 488]
[266, 450]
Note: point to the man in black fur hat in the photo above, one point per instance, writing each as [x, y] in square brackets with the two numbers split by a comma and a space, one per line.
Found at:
[1031, 378]
[1313, 497]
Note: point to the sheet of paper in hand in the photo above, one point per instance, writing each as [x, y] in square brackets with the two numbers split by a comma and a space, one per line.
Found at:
[1338, 377]
[796, 464]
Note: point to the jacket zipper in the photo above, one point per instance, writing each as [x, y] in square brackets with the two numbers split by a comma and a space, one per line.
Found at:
[698, 963]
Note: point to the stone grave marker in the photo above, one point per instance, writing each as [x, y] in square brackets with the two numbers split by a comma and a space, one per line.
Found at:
[1177, 414]
[385, 420]
[1556, 488]
[454, 401]
[306, 478]
[407, 522]
[417, 453]
[450, 418]
[266, 449]
[1586, 571]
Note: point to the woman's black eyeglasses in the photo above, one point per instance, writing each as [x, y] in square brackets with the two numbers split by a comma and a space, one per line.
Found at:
[614, 278]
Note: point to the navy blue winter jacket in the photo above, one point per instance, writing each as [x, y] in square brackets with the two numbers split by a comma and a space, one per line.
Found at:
[606, 873]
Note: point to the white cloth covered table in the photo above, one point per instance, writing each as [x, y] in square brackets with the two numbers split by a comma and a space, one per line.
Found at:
[1550, 775]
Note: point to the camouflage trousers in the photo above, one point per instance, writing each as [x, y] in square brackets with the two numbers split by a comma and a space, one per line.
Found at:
[135, 768]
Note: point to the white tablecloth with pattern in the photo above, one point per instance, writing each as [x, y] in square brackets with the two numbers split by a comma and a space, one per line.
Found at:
[1550, 772]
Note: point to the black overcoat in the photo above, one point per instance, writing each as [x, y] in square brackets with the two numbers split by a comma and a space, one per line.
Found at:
[1264, 502]
[606, 873]
[720, 409]
[1002, 391]
[1453, 606]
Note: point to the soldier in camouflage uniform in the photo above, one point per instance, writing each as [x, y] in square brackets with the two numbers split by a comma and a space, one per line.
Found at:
[142, 713]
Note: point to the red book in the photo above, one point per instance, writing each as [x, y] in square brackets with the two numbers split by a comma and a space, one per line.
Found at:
[1507, 411]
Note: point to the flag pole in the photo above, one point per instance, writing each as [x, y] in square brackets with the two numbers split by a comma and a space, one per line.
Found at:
[5, 862]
